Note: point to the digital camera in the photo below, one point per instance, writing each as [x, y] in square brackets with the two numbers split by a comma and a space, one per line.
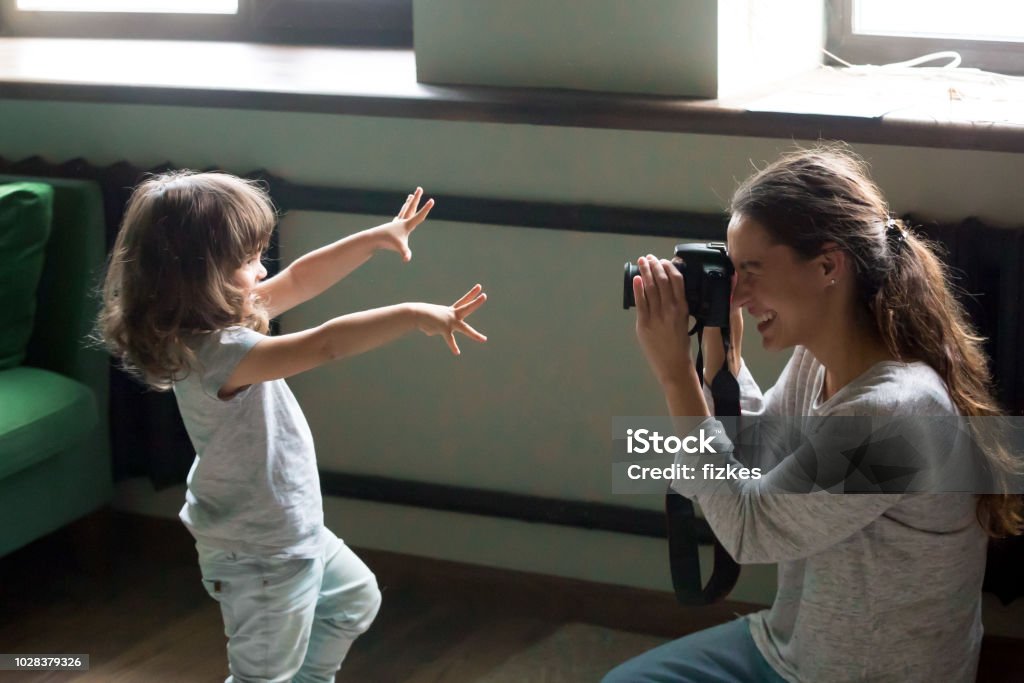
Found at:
[707, 272]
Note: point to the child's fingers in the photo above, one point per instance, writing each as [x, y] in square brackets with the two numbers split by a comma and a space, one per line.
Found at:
[404, 212]
[421, 215]
[450, 338]
[466, 309]
[414, 202]
[467, 330]
[469, 295]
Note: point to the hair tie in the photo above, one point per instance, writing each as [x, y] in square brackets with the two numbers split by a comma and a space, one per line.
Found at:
[896, 235]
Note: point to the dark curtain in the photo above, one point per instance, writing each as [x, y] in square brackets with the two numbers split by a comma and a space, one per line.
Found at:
[985, 264]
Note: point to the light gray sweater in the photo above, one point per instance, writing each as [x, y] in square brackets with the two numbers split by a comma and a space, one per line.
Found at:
[871, 587]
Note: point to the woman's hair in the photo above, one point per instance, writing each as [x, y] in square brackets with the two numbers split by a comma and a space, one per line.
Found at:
[811, 197]
[169, 277]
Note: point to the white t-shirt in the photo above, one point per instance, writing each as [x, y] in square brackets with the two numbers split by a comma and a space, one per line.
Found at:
[254, 486]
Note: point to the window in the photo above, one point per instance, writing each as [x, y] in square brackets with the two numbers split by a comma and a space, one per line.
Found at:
[326, 22]
[988, 34]
[151, 6]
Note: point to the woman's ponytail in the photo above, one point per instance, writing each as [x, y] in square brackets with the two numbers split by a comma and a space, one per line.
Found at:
[919, 318]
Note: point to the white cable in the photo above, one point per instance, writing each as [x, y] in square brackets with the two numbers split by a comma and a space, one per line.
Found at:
[838, 59]
[951, 70]
[954, 60]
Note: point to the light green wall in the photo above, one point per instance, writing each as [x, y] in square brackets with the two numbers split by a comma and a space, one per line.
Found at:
[530, 410]
[632, 168]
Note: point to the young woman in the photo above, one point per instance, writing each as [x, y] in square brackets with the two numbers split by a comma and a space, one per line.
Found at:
[874, 587]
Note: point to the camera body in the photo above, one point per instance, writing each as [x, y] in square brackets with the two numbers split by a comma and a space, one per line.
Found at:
[707, 272]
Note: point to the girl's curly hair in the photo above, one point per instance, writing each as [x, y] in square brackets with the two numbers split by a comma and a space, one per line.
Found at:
[170, 274]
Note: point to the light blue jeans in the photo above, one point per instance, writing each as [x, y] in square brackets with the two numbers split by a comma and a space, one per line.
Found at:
[722, 654]
[292, 619]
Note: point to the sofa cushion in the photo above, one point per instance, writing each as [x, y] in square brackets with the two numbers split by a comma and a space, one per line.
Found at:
[25, 213]
[41, 414]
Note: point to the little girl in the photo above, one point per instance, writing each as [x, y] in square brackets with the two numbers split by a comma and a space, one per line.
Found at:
[186, 306]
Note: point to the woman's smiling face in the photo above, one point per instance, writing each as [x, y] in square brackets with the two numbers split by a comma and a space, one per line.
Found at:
[782, 291]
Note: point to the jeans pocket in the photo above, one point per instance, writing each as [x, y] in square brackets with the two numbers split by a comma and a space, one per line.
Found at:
[217, 567]
[216, 588]
[281, 573]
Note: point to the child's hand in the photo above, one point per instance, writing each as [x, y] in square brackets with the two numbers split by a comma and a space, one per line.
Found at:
[433, 319]
[395, 235]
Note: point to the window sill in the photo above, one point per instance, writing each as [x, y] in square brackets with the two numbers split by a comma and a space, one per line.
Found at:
[831, 104]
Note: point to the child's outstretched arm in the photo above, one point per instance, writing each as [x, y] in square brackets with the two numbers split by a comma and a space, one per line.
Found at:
[316, 271]
[349, 335]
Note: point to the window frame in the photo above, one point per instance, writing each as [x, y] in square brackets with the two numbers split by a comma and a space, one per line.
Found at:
[1004, 57]
[381, 23]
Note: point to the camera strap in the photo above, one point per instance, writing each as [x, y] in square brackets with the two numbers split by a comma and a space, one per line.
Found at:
[684, 535]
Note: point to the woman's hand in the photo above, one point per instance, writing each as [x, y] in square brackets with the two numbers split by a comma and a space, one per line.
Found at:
[662, 320]
[433, 319]
[394, 236]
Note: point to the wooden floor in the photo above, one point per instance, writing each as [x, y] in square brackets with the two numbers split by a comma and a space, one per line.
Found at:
[125, 589]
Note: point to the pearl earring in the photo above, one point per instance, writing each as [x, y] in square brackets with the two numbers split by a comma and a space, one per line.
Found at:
[832, 283]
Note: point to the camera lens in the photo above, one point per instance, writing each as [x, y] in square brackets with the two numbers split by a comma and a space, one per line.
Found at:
[707, 272]
[631, 270]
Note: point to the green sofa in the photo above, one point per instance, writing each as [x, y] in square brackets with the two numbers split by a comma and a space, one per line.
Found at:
[55, 463]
